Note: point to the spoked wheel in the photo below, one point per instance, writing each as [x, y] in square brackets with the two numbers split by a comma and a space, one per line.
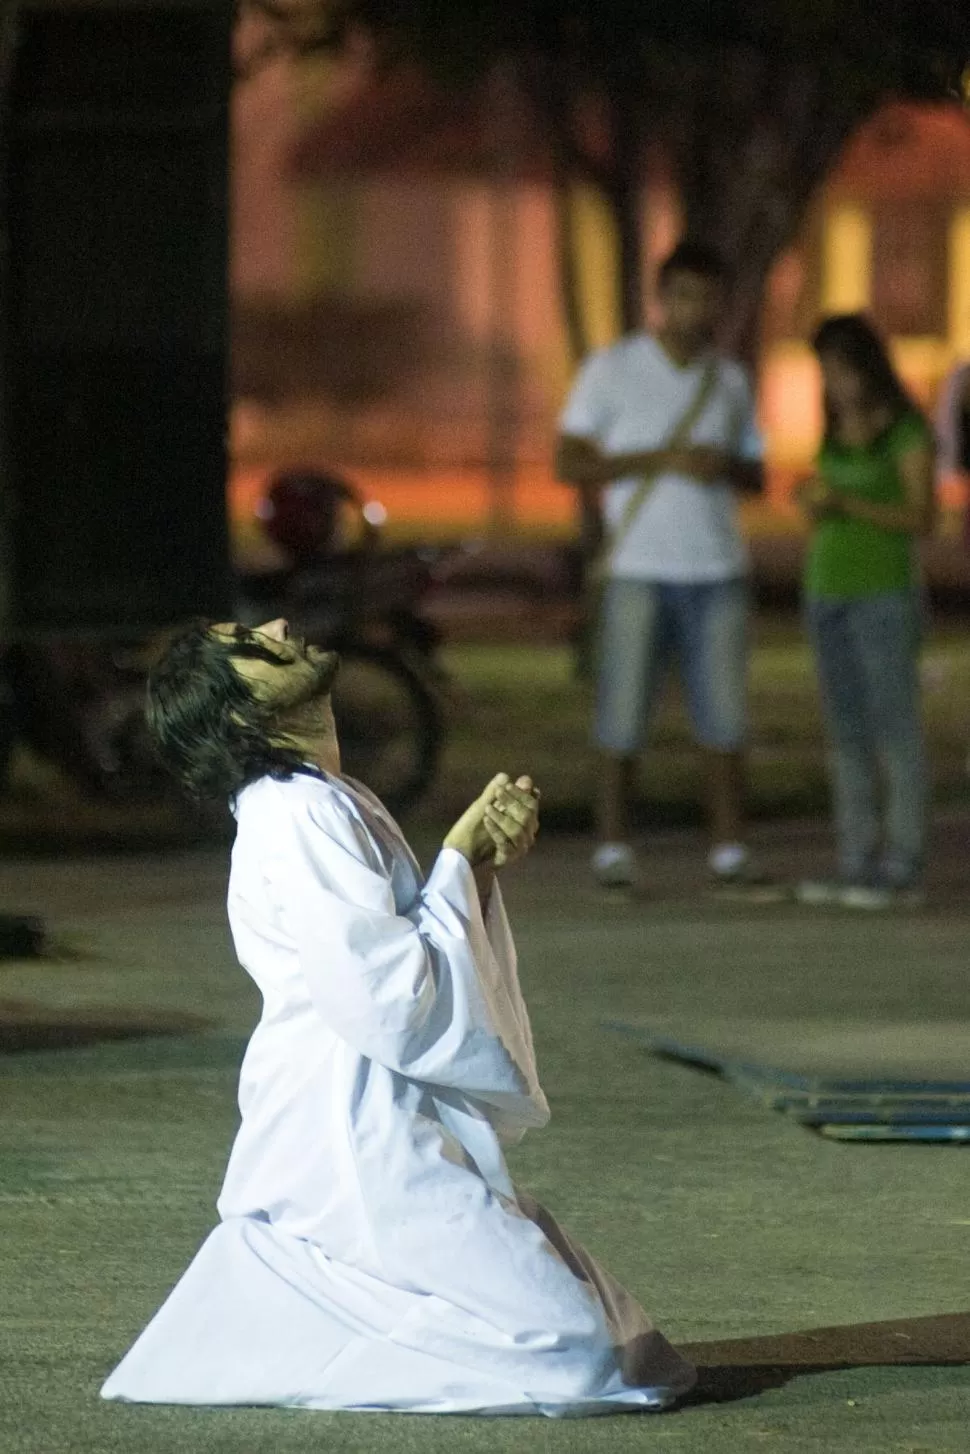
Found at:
[388, 725]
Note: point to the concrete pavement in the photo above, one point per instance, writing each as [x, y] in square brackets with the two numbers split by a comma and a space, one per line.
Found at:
[822, 1287]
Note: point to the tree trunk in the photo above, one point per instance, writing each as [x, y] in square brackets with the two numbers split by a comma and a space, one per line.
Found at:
[553, 100]
[503, 376]
[549, 90]
[749, 164]
[577, 335]
[590, 517]
[777, 228]
[624, 192]
[624, 200]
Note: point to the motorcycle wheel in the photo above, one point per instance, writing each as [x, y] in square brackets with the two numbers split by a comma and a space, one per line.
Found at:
[388, 724]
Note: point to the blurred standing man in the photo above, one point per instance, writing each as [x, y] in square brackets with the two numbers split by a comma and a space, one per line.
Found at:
[663, 430]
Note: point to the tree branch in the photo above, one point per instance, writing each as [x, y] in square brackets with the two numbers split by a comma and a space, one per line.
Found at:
[553, 101]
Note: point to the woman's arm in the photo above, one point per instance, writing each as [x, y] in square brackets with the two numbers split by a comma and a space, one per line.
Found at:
[917, 514]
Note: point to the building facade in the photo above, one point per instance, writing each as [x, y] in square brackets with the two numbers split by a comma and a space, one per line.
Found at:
[400, 319]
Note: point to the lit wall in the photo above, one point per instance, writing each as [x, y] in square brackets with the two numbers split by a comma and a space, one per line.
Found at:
[429, 447]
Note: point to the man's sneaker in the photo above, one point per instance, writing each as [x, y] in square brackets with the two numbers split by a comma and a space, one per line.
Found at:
[614, 865]
[820, 893]
[871, 898]
[868, 897]
[740, 877]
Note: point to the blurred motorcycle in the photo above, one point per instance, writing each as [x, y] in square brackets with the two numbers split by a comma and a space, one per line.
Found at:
[344, 589]
[80, 702]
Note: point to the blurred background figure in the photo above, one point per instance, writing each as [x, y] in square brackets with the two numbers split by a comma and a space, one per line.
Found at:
[953, 434]
[665, 430]
[871, 499]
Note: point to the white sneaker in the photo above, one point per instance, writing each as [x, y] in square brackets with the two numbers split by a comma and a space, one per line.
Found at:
[832, 893]
[614, 865]
[819, 893]
[747, 881]
[870, 897]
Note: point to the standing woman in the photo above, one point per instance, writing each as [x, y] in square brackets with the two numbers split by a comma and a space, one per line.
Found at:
[870, 501]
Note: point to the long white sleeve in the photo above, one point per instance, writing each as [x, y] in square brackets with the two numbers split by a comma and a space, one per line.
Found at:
[422, 993]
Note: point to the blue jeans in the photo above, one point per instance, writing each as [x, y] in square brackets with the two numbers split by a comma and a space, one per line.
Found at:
[867, 653]
[645, 626]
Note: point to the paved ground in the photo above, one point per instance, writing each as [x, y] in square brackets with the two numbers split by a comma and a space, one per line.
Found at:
[821, 1287]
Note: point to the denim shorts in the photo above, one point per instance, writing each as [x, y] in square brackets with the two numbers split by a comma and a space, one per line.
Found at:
[648, 626]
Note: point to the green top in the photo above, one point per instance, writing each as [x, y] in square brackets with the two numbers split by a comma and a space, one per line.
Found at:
[853, 557]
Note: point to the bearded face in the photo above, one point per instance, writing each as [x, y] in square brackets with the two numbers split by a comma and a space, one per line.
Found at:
[285, 674]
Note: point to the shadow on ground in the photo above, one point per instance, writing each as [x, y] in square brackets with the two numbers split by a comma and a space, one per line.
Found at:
[745, 1367]
[28, 1026]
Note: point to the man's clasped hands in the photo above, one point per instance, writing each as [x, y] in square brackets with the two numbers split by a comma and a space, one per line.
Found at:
[501, 824]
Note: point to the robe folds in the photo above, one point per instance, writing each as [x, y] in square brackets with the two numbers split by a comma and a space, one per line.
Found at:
[372, 1252]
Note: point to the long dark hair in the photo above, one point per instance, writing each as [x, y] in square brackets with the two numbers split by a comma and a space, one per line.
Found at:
[853, 339]
[206, 723]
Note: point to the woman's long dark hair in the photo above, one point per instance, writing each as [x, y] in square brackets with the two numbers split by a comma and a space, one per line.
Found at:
[207, 726]
[852, 338]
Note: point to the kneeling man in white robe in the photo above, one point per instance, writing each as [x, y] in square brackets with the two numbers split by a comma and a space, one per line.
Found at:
[372, 1252]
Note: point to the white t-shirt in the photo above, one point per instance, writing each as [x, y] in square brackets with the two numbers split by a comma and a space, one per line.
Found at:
[629, 397]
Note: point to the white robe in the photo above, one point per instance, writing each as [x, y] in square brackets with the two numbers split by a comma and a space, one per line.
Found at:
[373, 1252]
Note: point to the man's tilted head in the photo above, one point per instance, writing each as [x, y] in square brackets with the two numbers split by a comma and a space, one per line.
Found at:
[228, 704]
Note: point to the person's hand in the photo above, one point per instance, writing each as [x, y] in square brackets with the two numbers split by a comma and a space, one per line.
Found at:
[818, 500]
[699, 461]
[500, 825]
[512, 820]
